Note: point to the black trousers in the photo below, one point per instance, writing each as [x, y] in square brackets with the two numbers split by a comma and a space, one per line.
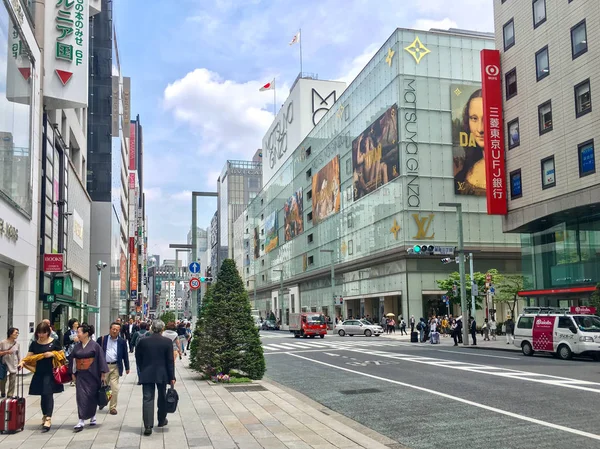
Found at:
[474, 337]
[47, 404]
[148, 403]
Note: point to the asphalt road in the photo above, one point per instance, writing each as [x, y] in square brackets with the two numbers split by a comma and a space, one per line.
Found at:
[429, 396]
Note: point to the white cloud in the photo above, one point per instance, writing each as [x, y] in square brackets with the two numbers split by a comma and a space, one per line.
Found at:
[185, 195]
[427, 24]
[358, 63]
[152, 193]
[229, 117]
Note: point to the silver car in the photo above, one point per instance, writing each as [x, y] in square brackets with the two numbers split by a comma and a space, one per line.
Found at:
[358, 327]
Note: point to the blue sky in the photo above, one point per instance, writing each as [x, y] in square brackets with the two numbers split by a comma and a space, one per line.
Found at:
[196, 67]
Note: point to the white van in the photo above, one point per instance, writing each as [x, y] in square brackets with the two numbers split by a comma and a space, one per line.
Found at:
[558, 331]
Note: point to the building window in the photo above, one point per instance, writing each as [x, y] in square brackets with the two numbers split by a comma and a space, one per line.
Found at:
[262, 247]
[308, 173]
[508, 32]
[262, 232]
[309, 194]
[542, 64]
[539, 12]
[309, 216]
[311, 260]
[308, 151]
[350, 220]
[261, 201]
[545, 117]
[587, 158]
[262, 262]
[511, 84]
[548, 173]
[262, 216]
[310, 238]
[516, 188]
[583, 99]
[579, 39]
[514, 139]
[263, 277]
[350, 247]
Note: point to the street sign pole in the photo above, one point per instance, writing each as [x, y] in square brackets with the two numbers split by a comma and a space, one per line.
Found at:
[473, 309]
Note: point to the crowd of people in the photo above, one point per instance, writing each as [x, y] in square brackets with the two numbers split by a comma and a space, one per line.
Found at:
[96, 363]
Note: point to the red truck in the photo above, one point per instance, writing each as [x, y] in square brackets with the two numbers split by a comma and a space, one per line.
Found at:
[308, 324]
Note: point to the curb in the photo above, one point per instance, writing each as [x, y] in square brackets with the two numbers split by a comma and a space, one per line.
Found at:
[514, 351]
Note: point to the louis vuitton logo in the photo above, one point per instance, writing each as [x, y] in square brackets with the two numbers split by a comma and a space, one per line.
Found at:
[462, 186]
[423, 225]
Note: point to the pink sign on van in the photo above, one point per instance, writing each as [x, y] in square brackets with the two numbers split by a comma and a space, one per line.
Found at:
[543, 329]
[583, 310]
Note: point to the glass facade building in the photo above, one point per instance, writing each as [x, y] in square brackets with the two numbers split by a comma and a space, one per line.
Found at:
[365, 185]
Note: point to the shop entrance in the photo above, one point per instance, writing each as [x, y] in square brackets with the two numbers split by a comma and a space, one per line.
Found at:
[7, 290]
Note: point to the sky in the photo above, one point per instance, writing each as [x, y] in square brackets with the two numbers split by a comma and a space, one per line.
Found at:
[196, 67]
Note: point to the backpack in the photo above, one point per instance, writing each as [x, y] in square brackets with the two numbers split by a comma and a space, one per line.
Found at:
[420, 325]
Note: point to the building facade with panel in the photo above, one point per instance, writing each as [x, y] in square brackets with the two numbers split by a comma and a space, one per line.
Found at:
[364, 186]
[549, 55]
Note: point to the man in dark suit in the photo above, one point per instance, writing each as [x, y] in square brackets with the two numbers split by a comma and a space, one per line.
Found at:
[115, 350]
[154, 357]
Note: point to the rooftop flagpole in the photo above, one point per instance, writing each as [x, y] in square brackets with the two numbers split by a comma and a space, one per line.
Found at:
[300, 39]
[274, 98]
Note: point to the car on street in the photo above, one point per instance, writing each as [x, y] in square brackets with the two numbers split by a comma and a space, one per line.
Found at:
[269, 325]
[358, 327]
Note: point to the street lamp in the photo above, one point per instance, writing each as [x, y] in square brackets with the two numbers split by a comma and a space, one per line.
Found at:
[330, 251]
[281, 294]
[99, 266]
[461, 269]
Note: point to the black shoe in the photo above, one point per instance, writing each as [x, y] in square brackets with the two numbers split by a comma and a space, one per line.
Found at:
[148, 431]
[139, 383]
[77, 429]
[163, 423]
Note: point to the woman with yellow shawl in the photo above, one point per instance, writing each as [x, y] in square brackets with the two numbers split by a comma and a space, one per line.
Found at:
[44, 354]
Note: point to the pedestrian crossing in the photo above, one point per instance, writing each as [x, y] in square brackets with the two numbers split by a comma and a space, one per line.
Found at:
[323, 344]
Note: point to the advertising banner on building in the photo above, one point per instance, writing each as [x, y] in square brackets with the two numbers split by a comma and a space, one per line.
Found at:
[494, 135]
[468, 142]
[66, 38]
[133, 274]
[293, 216]
[126, 102]
[115, 106]
[132, 146]
[77, 229]
[54, 263]
[271, 232]
[256, 244]
[375, 154]
[326, 195]
[123, 275]
[543, 331]
[18, 70]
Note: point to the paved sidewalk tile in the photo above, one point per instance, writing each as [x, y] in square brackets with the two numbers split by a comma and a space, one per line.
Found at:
[208, 417]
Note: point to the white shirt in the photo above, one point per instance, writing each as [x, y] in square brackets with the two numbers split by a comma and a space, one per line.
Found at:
[130, 329]
[111, 350]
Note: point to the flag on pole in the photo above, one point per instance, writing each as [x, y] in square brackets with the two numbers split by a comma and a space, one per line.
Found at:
[269, 86]
[295, 39]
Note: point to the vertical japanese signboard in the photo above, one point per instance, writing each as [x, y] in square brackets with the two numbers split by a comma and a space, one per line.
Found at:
[116, 100]
[133, 275]
[66, 57]
[123, 275]
[495, 168]
[132, 146]
[18, 73]
[126, 102]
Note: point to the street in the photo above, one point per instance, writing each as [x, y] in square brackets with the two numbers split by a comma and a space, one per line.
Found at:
[429, 396]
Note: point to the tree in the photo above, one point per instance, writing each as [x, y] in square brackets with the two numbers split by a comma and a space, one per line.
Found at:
[595, 298]
[479, 278]
[507, 291]
[168, 317]
[199, 330]
[226, 335]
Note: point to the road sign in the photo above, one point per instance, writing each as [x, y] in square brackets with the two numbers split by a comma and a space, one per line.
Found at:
[474, 289]
[194, 267]
[194, 283]
[492, 291]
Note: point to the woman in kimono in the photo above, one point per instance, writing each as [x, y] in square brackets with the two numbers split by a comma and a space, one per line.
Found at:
[89, 366]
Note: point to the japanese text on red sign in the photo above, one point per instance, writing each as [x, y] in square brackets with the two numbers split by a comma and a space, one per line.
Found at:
[496, 153]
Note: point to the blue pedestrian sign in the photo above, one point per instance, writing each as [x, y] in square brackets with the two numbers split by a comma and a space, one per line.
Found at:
[194, 267]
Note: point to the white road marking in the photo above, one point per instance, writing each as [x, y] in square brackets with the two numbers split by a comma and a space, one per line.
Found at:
[331, 354]
[480, 355]
[464, 401]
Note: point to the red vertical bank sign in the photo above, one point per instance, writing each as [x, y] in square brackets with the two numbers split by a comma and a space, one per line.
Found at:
[543, 333]
[132, 137]
[495, 168]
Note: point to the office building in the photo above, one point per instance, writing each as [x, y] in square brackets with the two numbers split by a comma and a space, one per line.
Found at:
[363, 187]
[548, 59]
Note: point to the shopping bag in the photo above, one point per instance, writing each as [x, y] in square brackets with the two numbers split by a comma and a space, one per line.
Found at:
[104, 395]
[62, 375]
[172, 399]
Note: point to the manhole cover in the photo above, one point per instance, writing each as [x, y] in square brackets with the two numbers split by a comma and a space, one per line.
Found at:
[361, 391]
[245, 388]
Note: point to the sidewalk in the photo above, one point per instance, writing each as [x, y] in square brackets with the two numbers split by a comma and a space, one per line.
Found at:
[494, 345]
[246, 416]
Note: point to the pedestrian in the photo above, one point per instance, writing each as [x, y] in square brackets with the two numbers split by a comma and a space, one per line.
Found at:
[473, 328]
[459, 325]
[433, 333]
[454, 330]
[485, 330]
[402, 326]
[10, 356]
[115, 353]
[493, 328]
[181, 336]
[510, 330]
[143, 332]
[89, 367]
[53, 334]
[154, 356]
[44, 355]
[445, 326]
[188, 335]
[70, 337]
[392, 325]
[411, 321]
[421, 327]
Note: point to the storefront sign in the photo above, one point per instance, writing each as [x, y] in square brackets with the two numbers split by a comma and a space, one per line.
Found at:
[123, 274]
[126, 102]
[8, 231]
[494, 135]
[411, 147]
[18, 71]
[132, 146]
[583, 310]
[133, 273]
[66, 58]
[423, 227]
[115, 106]
[77, 229]
[54, 263]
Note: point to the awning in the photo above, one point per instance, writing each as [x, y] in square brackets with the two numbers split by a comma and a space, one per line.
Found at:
[374, 295]
[68, 301]
[557, 291]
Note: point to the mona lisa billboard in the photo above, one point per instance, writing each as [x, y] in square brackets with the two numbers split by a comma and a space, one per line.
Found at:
[468, 139]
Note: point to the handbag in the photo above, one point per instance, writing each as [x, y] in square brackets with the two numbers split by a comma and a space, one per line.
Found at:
[3, 371]
[103, 396]
[62, 375]
[172, 399]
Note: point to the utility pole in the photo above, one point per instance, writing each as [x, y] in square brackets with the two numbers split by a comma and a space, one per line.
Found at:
[473, 310]
[461, 269]
[99, 266]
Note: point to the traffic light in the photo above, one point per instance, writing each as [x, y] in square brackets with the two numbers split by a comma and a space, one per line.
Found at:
[206, 279]
[446, 260]
[423, 249]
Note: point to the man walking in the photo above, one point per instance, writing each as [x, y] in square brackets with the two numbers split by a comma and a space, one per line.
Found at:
[154, 356]
[510, 330]
[115, 350]
[473, 329]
